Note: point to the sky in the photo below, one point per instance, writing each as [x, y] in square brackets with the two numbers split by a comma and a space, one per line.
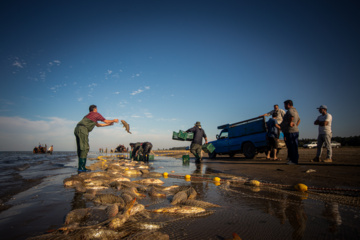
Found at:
[163, 65]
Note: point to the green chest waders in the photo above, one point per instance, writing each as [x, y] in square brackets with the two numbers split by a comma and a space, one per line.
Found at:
[81, 132]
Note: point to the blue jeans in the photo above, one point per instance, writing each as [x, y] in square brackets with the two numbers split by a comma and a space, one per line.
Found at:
[292, 144]
[324, 138]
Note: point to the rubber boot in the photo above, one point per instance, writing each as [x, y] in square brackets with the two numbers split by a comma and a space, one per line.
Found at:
[84, 168]
[197, 158]
[81, 165]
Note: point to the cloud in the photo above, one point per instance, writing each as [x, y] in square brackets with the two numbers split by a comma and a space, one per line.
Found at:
[140, 90]
[136, 92]
[148, 115]
[6, 102]
[19, 63]
[55, 62]
[21, 134]
[57, 87]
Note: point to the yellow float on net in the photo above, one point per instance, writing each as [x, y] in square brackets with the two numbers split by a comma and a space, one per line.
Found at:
[301, 187]
[217, 179]
[187, 177]
[126, 169]
[254, 183]
[217, 183]
[165, 174]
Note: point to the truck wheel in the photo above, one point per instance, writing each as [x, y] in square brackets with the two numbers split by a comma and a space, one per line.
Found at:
[249, 150]
[212, 155]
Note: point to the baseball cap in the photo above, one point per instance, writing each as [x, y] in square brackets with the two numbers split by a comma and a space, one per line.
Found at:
[322, 107]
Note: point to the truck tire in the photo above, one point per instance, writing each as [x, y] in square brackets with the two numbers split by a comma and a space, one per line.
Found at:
[212, 155]
[249, 150]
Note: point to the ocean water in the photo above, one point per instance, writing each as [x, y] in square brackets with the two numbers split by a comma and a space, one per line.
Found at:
[34, 201]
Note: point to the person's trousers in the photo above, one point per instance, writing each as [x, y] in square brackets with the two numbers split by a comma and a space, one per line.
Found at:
[324, 139]
[82, 141]
[292, 144]
[195, 149]
[146, 151]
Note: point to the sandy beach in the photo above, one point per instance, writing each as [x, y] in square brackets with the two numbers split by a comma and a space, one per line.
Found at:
[42, 208]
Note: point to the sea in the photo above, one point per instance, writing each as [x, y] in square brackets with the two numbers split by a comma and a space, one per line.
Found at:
[35, 202]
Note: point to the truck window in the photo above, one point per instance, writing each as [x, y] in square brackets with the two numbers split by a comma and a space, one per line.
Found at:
[224, 134]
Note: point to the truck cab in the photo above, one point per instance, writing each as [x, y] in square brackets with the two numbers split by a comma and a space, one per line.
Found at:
[247, 137]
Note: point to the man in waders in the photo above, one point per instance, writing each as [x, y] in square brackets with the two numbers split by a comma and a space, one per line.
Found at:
[196, 144]
[82, 130]
[146, 146]
[135, 148]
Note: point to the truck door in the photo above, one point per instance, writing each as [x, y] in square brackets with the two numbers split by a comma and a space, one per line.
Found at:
[222, 144]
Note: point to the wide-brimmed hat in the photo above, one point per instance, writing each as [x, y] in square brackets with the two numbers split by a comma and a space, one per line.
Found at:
[322, 107]
[197, 124]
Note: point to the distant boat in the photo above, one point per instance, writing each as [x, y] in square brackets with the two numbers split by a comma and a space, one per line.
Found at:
[41, 149]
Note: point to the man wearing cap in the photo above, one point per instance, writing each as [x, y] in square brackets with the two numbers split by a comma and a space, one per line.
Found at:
[82, 130]
[325, 134]
[196, 144]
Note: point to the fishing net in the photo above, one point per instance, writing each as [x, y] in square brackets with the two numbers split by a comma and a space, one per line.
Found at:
[198, 209]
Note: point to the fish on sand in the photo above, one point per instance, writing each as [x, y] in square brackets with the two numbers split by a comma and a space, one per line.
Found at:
[180, 210]
[126, 126]
[149, 181]
[191, 193]
[178, 197]
[198, 203]
[154, 193]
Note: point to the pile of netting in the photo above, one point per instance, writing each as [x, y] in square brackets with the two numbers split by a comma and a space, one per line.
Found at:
[118, 208]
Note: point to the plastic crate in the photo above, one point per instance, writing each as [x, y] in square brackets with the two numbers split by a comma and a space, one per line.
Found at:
[185, 158]
[182, 135]
[208, 148]
[175, 136]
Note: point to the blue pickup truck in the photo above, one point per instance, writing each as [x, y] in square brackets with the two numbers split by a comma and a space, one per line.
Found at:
[247, 137]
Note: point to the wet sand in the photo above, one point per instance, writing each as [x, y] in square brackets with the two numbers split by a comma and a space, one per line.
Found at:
[43, 207]
[343, 172]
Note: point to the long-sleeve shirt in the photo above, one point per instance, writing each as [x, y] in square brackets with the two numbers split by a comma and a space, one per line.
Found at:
[199, 134]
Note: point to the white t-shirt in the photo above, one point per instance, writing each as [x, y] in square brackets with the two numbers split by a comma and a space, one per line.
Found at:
[281, 114]
[325, 129]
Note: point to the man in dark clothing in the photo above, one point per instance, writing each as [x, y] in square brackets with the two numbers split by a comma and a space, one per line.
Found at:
[196, 144]
[146, 149]
[289, 127]
[135, 147]
[82, 130]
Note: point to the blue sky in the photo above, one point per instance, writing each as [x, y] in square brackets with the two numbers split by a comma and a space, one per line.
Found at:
[163, 65]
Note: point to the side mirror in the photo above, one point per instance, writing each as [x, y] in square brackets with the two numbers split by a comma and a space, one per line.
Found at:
[217, 136]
